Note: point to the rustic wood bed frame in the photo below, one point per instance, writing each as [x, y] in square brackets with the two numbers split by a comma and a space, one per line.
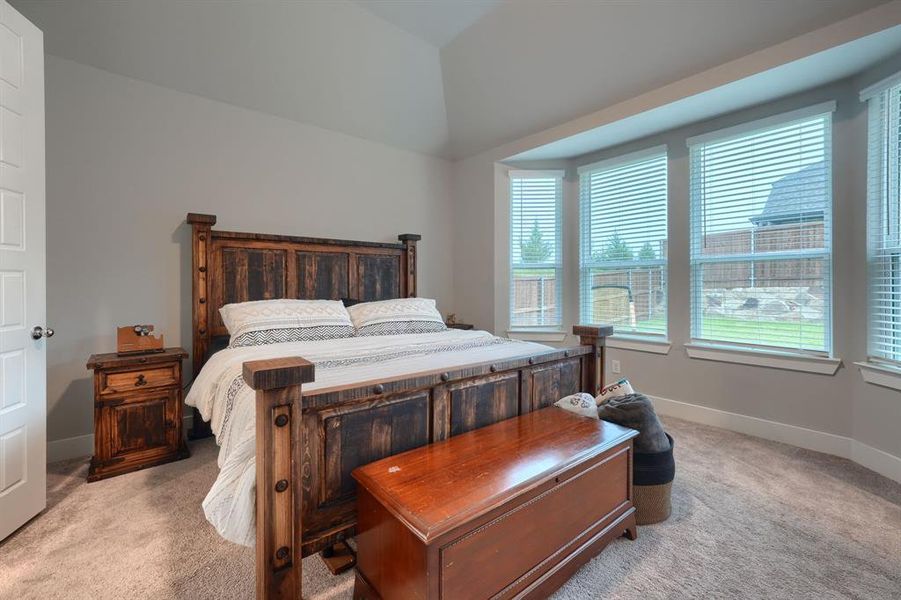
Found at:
[308, 444]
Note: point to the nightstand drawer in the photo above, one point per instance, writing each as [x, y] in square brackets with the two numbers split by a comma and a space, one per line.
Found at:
[139, 379]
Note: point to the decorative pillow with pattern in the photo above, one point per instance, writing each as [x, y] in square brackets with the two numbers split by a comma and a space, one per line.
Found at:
[274, 321]
[581, 404]
[615, 390]
[395, 317]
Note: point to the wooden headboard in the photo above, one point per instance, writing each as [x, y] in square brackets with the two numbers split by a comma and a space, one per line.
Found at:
[230, 266]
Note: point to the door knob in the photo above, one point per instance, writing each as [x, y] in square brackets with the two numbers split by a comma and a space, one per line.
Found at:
[38, 332]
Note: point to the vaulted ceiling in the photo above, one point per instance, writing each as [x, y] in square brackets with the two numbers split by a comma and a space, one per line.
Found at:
[330, 64]
[435, 21]
[527, 66]
[445, 77]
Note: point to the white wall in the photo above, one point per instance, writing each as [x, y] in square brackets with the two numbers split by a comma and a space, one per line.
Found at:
[842, 408]
[126, 160]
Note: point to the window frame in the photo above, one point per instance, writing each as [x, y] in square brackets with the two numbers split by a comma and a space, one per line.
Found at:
[586, 263]
[697, 262]
[557, 265]
[880, 188]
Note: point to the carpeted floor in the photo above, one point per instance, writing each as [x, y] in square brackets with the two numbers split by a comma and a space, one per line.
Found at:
[751, 519]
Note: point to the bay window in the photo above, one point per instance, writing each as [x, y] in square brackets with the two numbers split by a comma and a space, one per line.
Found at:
[623, 258]
[536, 252]
[884, 219]
[761, 233]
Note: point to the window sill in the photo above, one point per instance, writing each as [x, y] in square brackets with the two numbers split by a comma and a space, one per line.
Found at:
[540, 335]
[775, 359]
[880, 374]
[639, 344]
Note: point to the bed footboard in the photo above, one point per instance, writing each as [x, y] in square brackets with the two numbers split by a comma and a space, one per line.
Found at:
[307, 445]
[593, 367]
[278, 440]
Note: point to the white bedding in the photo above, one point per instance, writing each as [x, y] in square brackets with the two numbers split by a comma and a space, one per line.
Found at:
[222, 398]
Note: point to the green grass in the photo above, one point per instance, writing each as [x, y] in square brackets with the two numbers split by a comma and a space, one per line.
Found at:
[812, 336]
[521, 273]
[765, 333]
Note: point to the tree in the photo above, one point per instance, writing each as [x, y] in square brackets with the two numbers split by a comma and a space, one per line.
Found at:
[647, 252]
[617, 249]
[535, 249]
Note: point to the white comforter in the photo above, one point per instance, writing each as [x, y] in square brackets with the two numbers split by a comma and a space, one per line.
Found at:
[222, 398]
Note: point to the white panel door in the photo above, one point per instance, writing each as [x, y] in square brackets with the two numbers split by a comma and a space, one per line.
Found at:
[23, 361]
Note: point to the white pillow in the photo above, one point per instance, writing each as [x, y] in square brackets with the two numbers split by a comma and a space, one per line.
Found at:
[615, 390]
[274, 321]
[581, 404]
[394, 317]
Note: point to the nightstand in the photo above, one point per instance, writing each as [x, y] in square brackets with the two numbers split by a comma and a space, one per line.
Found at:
[137, 411]
[461, 326]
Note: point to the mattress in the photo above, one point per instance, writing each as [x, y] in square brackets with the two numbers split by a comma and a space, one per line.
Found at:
[222, 398]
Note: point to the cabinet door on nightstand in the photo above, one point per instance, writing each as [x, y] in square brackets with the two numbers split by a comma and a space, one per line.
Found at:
[144, 425]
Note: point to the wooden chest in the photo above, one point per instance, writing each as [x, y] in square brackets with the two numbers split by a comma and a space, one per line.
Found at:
[137, 411]
[509, 510]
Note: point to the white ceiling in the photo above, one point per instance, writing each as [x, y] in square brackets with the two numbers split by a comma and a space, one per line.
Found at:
[330, 64]
[513, 67]
[434, 21]
[804, 74]
[528, 66]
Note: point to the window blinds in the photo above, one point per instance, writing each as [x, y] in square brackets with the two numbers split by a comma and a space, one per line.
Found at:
[623, 223]
[761, 233]
[536, 249]
[884, 223]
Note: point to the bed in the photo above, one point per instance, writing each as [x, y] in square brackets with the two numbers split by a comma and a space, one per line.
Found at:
[294, 419]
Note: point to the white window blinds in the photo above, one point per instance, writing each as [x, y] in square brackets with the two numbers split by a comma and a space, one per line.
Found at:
[884, 222]
[623, 225]
[536, 249]
[761, 233]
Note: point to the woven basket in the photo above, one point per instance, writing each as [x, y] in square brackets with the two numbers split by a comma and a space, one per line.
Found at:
[652, 475]
[652, 503]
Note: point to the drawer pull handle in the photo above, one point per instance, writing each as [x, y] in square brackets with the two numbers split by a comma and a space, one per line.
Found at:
[140, 381]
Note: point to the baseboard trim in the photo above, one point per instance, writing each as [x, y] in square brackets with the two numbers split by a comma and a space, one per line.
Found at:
[874, 459]
[83, 445]
[73, 447]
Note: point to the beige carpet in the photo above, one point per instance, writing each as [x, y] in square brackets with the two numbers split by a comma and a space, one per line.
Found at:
[751, 519]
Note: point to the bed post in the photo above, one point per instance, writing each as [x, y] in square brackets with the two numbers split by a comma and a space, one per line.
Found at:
[278, 470]
[200, 328]
[409, 240]
[593, 364]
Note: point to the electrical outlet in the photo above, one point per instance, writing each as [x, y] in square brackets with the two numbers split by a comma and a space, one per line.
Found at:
[615, 366]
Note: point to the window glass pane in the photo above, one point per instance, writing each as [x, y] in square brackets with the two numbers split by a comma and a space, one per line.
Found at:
[765, 302]
[761, 207]
[624, 243]
[631, 299]
[534, 298]
[535, 249]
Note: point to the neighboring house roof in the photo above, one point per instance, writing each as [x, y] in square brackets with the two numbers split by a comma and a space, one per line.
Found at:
[798, 196]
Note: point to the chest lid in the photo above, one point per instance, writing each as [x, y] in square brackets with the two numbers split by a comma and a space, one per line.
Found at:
[438, 487]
